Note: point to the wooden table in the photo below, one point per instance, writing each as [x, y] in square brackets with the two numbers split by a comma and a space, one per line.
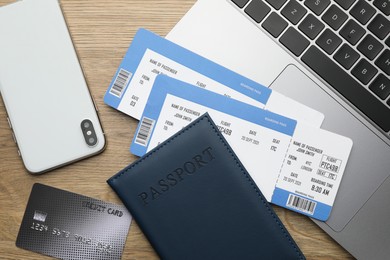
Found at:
[102, 31]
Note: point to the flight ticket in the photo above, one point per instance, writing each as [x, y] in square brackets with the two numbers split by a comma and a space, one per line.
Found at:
[297, 166]
[150, 55]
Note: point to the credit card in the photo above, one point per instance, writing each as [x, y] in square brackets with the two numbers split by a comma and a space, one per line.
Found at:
[296, 166]
[67, 225]
[150, 55]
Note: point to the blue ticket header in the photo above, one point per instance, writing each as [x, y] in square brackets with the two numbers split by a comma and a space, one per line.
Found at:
[165, 85]
[145, 40]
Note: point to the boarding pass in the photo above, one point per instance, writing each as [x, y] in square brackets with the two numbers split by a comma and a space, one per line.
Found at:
[295, 165]
[150, 55]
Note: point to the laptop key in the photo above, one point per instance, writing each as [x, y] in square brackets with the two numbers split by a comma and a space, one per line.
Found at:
[329, 41]
[380, 26]
[294, 41]
[257, 10]
[348, 87]
[240, 3]
[311, 26]
[274, 24]
[383, 5]
[317, 6]
[346, 56]
[335, 17]
[370, 47]
[352, 32]
[277, 4]
[346, 4]
[381, 86]
[388, 42]
[294, 11]
[383, 62]
[362, 11]
[364, 71]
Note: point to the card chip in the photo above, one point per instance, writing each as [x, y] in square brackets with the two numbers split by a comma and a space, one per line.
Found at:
[40, 216]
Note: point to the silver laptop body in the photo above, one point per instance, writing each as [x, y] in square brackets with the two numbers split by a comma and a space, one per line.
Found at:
[224, 32]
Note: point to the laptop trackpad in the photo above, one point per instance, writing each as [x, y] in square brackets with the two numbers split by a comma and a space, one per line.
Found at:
[369, 163]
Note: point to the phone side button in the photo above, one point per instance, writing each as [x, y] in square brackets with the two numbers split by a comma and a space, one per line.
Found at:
[94, 103]
[13, 136]
[19, 153]
[9, 123]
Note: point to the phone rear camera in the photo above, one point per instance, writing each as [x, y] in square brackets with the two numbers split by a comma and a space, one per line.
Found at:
[89, 132]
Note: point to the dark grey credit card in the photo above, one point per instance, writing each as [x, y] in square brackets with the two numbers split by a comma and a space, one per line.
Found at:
[67, 225]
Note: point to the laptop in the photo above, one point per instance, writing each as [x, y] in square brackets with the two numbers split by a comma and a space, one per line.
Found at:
[333, 56]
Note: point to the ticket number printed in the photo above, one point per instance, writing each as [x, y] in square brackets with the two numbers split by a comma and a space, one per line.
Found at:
[296, 166]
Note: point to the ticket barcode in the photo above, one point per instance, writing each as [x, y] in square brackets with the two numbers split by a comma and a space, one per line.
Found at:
[120, 83]
[301, 204]
[144, 131]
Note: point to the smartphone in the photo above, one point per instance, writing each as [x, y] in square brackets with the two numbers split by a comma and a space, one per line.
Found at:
[50, 110]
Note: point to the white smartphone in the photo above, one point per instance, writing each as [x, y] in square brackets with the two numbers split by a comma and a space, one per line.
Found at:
[50, 110]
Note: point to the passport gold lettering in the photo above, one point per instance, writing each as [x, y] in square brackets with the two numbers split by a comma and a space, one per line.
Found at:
[188, 168]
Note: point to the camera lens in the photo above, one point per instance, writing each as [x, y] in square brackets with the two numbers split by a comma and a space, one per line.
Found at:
[89, 133]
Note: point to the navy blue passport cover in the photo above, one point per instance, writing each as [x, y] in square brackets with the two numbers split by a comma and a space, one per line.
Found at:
[193, 199]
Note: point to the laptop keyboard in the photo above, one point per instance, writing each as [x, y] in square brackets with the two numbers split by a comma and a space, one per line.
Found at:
[346, 42]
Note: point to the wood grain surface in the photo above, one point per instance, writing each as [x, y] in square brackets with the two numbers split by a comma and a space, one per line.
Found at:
[102, 31]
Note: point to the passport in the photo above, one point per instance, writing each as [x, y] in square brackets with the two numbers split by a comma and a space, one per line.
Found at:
[193, 199]
[67, 225]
